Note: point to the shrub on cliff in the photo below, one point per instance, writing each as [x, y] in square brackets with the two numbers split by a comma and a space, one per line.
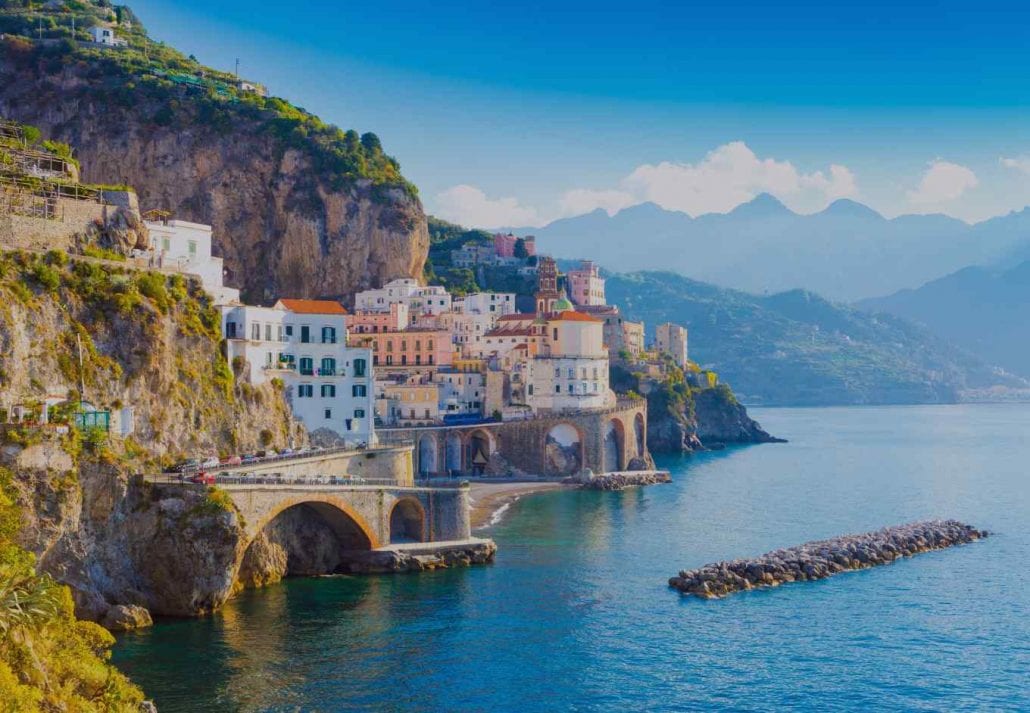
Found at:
[49, 661]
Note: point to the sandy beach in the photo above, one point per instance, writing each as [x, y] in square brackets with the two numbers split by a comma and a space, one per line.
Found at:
[491, 500]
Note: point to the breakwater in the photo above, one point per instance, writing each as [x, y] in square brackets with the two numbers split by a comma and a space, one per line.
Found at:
[627, 479]
[824, 558]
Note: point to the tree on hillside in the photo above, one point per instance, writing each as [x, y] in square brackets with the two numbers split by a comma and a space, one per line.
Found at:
[520, 249]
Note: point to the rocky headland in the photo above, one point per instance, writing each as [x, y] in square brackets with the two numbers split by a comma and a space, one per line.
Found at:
[824, 558]
[629, 479]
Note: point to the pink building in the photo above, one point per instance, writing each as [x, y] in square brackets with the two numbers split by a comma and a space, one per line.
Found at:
[504, 245]
[409, 347]
[366, 322]
[586, 286]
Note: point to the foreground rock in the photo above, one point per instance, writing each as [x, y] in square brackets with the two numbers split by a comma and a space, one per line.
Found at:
[126, 617]
[824, 558]
[621, 481]
[419, 559]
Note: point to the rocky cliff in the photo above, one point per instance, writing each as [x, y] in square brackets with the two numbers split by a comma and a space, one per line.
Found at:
[298, 207]
[682, 418]
[149, 343]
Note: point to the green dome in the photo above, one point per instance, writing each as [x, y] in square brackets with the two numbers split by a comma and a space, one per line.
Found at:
[562, 304]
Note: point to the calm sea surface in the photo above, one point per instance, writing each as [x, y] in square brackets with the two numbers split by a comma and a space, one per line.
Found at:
[576, 615]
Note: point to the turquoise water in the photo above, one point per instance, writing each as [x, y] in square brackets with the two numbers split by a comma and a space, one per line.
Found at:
[575, 615]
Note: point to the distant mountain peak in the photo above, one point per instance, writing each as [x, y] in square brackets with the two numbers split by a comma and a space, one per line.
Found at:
[848, 207]
[762, 205]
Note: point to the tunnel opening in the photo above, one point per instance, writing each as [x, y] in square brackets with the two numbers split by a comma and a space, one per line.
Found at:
[407, 522]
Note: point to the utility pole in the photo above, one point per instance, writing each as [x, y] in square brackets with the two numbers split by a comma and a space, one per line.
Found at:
[82, 375]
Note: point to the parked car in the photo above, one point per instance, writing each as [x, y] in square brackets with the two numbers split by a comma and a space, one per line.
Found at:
[287, 452]
[185, 465]
[203, 478]
[250, 458]
[232, 460]
[211, 462]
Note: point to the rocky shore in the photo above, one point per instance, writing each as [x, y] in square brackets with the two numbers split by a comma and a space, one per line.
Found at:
[419, 558]
[621, 481]
[824, 558]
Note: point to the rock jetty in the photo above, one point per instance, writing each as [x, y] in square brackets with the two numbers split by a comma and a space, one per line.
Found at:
[628, 479]
[824, 558]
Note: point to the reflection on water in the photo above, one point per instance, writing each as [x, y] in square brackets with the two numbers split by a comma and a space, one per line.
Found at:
[576, 614]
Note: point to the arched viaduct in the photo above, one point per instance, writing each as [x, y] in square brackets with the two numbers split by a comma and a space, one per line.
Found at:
[555, 445]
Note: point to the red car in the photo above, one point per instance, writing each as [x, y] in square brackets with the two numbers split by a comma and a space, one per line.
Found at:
[203, 478]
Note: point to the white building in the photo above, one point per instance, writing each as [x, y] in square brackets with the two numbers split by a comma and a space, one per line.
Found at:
[496, 303]
[671, 339]
[304, 343]
[430, 299]
[105, 36]
[186, 247]
[460, 392]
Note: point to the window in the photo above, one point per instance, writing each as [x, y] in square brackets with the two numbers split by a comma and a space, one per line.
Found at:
[305, 391]
[192, 247]
[556, 334]
[279, 333]
[404, 359]
[557, 388]
[418, 359]
[166, 244]
[389, 345]
[328, 413]
[359, 391]
[430, 358]
[572, 373]
[557, 373]
[570, 388]
[328, 391]
[418, 345]
[530, 389]
[359, 413]
[427, 413]
[307, 366]
[289, 330]
[305, 334]
[268, 332]
[389, 359]
[359, 367]
[255, 331]
[328, 335]
[328, 366]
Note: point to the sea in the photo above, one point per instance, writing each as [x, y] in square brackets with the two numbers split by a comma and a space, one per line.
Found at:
[576, 613]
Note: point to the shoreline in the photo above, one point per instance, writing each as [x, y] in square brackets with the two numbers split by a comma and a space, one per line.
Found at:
[490, 501]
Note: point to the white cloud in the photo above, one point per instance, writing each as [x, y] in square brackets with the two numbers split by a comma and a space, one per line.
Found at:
[732, 174]
[1019, 163]
[585, 200]
[469, 206]
[943, 182]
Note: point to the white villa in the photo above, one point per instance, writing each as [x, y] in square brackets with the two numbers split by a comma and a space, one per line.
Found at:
[304, 343]
[431, 299]
[186, 247]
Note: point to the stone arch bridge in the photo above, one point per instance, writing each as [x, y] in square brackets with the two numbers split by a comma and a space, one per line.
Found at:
[549, 445]
[363, 517]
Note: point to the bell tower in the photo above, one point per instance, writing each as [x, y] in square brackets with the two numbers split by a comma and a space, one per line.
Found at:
[547, 284]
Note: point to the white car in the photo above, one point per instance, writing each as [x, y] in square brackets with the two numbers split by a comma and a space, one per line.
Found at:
[211, 462]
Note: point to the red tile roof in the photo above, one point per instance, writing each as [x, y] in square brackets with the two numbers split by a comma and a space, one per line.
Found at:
[571, 316]
[313, 306]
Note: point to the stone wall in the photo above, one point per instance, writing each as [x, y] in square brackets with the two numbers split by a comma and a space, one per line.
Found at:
[115, 223]
[393, 463]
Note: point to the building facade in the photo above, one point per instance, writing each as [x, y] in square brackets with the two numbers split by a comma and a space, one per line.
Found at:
[671, 339]
[186, 247]
[304, 343]
[586, 286]
[431, 299]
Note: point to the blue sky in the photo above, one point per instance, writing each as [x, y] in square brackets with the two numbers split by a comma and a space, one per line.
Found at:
[519, 114]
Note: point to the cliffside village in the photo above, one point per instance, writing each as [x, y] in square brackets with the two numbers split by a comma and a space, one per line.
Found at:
[410, 355]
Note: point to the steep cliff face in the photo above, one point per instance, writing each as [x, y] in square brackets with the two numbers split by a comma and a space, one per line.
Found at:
[151, 345]
[286, 218]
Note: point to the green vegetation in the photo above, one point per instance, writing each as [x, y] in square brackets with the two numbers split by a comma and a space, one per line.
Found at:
[49, 661]
[185, 92]
[796, 348]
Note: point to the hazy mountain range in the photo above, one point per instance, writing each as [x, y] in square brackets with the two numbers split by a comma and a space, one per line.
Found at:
[795, 348]
[846, 252]
[985, 311]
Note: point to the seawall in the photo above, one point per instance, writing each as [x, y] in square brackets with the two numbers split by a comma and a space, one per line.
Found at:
[824, 558]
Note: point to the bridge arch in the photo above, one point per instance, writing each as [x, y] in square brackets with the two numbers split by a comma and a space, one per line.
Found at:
[350, 527]
[481, 445]
[452, 453]
[563, 448]
[614, 446]
[408, 521]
